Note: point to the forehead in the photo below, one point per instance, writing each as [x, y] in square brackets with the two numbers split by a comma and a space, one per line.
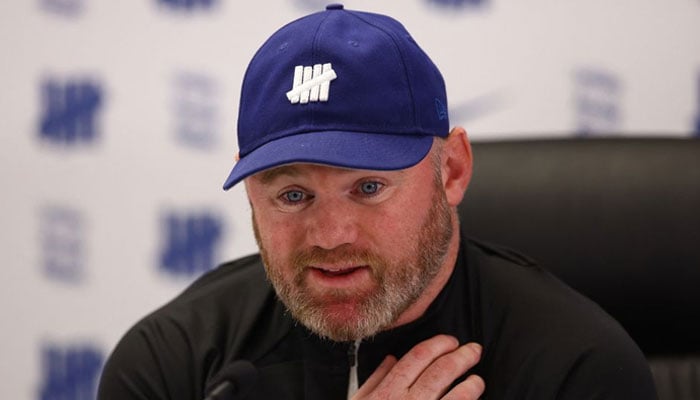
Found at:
[298, 170]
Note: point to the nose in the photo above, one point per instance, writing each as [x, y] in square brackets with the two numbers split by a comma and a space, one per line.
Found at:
[331, 224]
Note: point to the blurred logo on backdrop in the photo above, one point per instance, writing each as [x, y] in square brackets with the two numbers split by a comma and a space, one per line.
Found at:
[191, 241]
[70, 371]
[62, 244]
[69, 111]
[195, 110]
[597, 101]
[188, 5]
[463, 112]
[68, 8]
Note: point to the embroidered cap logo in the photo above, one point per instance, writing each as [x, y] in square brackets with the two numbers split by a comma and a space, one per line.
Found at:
[311, 84]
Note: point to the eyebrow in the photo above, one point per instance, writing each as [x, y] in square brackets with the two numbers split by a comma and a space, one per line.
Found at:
[270, 175]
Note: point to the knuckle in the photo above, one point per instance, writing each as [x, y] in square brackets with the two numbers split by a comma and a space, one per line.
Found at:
[431, 348]
[449, 362]
[458, 361]
[422, 351]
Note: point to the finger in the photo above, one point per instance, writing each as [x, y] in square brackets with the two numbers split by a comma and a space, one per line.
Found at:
[440, 375]
[413, 363]
[469, 389]
[376, 377]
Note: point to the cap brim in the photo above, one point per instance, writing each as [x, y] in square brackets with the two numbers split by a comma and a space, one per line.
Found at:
[355, 150]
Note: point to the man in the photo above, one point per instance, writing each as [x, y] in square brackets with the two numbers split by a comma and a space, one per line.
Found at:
[364, 287]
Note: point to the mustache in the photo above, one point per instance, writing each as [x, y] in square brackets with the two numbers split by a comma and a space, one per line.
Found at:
[345, 254]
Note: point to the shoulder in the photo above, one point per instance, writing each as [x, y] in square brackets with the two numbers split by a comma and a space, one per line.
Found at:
[224, 301]
[233, 292]
[509, 279]
[241, 280]
[192, 336]
[542, 335]
[514, 289]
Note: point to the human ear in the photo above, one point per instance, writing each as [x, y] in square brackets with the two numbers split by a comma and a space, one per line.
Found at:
[456, 165]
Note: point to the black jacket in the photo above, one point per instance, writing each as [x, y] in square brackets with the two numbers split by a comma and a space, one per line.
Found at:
[541, 339]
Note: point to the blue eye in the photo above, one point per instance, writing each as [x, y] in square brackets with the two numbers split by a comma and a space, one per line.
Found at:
[293, 196]
[370, 187]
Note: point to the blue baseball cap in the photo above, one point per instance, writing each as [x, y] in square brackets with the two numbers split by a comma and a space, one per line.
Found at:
[342, 88]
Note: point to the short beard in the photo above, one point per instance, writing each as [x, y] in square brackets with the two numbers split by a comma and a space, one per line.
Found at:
[399, 282]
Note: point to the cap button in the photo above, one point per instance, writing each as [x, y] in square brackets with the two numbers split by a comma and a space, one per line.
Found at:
[334, 6]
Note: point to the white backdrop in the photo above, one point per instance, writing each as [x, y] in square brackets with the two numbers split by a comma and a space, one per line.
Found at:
[118, 129]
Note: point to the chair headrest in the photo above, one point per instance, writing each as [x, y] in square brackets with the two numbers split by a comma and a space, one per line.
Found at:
[617, 219]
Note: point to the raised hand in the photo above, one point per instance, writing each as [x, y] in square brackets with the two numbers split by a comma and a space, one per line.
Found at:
[426, 372]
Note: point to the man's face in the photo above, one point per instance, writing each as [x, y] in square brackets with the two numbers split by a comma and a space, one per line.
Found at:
[349, 251]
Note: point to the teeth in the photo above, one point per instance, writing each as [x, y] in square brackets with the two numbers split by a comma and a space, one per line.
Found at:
[337, 271]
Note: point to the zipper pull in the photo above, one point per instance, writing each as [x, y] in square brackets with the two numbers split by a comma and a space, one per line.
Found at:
[352, 354]
[353, 384]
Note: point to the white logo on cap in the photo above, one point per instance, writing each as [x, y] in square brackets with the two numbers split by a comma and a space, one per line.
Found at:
[311, 84]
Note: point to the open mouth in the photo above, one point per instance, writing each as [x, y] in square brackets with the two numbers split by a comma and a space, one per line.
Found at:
[340, 277]
[337, 272]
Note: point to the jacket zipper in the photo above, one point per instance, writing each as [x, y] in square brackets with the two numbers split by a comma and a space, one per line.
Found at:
[353, 382]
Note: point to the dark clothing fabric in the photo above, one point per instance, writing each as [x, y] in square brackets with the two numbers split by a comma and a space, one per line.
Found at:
[541, 339]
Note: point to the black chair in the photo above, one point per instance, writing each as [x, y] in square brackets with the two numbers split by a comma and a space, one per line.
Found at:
[618, 219]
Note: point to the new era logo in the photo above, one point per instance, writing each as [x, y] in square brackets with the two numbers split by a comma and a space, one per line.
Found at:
[311, 84]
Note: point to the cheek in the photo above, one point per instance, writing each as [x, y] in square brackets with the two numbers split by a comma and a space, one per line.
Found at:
[278, 235]
[396, 228]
